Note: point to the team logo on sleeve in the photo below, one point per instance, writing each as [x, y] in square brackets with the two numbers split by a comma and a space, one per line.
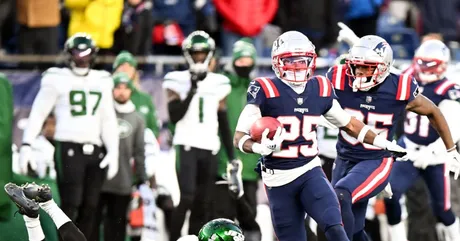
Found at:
[416, 91]
[253, 90]
[454, 94]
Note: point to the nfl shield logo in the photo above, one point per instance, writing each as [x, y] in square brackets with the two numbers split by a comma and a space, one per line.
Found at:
[368, 99]
[299, 101]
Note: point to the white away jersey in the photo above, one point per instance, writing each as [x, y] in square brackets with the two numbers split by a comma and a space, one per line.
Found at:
[82, 106]
[199, 127]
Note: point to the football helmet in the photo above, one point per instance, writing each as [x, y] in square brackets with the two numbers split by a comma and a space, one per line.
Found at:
[196, 44]
[431, 60]
[371, 52]
[221, 229]
[293, 57]
[80, 51]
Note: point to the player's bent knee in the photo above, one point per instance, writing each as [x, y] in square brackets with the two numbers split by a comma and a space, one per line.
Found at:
[336, 232]
[330, 218]
[343, 195]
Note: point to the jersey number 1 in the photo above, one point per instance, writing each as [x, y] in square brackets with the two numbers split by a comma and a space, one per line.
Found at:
[412, 120]
[78, 101]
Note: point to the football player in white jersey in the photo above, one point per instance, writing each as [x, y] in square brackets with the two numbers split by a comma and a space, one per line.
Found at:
[86, 134]
[196, 103]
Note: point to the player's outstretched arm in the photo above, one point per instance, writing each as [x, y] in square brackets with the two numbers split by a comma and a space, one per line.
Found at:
[423, 106]
[357, 129]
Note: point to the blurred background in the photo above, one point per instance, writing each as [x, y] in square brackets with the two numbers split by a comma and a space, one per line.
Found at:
[33, 32]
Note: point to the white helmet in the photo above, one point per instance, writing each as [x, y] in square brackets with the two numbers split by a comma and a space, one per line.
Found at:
[293, 57]
[371, 51]
[431, 60]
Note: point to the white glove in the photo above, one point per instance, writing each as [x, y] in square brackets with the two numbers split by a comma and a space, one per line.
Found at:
[110, 161]
[424, 158]
[234, 176]
[395, 149]
[453, 163]
[268, 146]
[346, 34]
[25, 159]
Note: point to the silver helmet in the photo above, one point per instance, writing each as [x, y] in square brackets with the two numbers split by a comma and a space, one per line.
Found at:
[293, 57]
[375, 54]
[431, 60]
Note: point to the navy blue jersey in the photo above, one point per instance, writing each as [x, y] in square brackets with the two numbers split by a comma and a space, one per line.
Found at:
[380, 108]
[417, 128]
[299, 113]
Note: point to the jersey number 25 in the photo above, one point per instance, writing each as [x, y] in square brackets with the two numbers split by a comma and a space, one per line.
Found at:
[306, 129]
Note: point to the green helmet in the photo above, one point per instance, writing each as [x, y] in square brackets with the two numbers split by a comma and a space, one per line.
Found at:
[198, 41]
[221, 229]
[124, 57]
[81, 52]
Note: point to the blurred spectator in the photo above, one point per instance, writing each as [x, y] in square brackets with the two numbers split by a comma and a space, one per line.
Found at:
[116, 192]
[318, 25]
[38, 26]
[439, 16]
[175, 19]
[134, 34]
[243, 18]
[6, 7]
[362, 15]
[98, 18]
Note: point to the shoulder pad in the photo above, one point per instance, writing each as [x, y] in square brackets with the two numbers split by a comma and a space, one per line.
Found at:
[336, 76]
[269, 88]
[404, 85]
[446, 85]
[175, 76]
[325, 87]
[53, 70]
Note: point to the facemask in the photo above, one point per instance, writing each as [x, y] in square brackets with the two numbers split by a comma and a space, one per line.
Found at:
[243, 71]
[295, 76]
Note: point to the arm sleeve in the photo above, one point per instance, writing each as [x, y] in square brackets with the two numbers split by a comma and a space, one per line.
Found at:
[226, 134]
[43, 104]
[109, 124]
[139, 151]
[337, 116]
[248, 116]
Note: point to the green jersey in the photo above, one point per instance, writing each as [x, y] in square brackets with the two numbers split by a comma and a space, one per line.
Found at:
[236, 101]
[6, 127]
[144, 105]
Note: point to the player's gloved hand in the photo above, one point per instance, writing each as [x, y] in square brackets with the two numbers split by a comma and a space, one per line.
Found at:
[26, 160]
[424, 158]
[453, 163]
[346, 34]
[110, 161]
[267, 146]
[235, 181]
[397, 151]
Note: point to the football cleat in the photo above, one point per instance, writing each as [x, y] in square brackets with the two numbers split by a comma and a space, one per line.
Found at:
[38, 193]
[25, 205]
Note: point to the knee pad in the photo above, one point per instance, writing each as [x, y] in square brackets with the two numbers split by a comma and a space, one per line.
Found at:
[445, 217]
[335, 232]
[343, 195]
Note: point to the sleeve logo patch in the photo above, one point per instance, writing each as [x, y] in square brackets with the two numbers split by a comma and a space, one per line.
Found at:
[454, 94]
[253, 90]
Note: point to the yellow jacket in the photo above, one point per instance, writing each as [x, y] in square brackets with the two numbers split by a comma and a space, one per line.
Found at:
[99, 18]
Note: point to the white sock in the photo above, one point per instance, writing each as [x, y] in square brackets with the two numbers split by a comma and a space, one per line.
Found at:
[453, 231]
[34, 230]
[52, 209]
[398, 232]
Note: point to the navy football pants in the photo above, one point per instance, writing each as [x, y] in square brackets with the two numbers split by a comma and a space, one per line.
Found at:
[310, 193]
[355, 183]
[404, 175]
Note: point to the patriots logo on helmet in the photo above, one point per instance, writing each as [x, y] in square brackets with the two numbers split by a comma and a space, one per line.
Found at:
[380, 48]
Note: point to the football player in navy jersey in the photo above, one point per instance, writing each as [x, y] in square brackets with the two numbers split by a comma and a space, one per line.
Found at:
[427, 150]
[290, 167]
[366, 89]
